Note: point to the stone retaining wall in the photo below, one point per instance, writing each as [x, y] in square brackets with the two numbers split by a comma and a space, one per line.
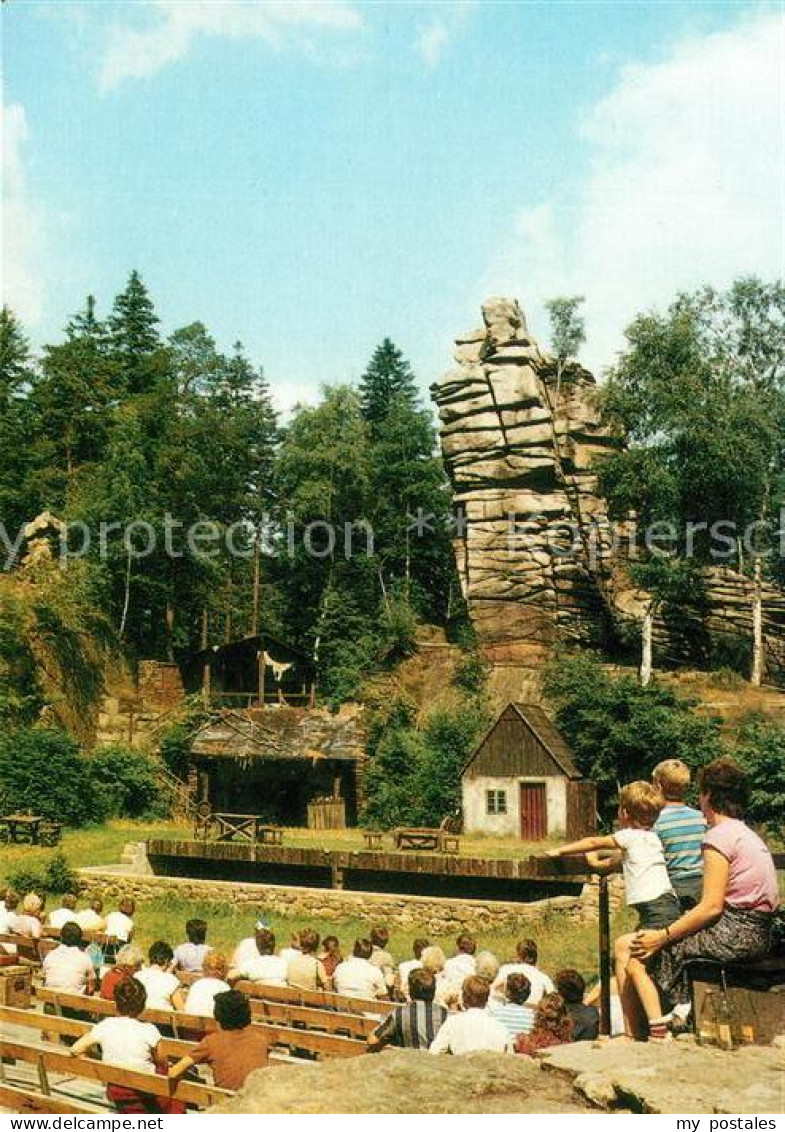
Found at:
[432, 914]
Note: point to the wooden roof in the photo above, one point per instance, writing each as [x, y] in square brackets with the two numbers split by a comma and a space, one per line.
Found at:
[522, 741]
[281, 733]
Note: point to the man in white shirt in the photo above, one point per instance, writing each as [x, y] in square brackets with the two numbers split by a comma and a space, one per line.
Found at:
[408, 965]
[66, 968]
[262, 965]
[9, 912]
[91, 919]
[357, 976]
[163, 988]
[66, 912]
[381, 957]
[473, 1030]
[462, 963]
[540, 983]
[246, 948]
[120, 924]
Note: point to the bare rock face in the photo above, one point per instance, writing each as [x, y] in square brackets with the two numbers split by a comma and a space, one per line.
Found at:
[538, 559]
[531, 534]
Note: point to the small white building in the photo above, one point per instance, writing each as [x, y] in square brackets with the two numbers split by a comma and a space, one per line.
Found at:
[522, 781]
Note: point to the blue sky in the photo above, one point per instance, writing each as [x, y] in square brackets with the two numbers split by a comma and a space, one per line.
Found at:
[311, 177]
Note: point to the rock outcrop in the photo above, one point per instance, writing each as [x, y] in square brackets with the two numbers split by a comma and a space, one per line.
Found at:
[538, 558]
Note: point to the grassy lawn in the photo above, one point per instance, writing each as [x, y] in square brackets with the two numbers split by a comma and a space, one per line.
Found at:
[561, 942]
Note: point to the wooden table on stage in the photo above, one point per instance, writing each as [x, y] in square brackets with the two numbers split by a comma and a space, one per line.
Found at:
[427, 840]
[246, 827]
[22, 827]
[373, 838]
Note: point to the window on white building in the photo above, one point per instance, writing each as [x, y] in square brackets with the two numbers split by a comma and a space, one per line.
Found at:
[496, 801]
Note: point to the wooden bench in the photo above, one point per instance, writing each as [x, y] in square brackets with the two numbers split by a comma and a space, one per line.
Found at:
[323, 1000]
[192, 1026]
[28, 950]
[372, 838]
[50, 833]
[429, 840]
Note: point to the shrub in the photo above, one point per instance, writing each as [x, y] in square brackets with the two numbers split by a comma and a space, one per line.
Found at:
[43, 770]
[27, 879]
[619, 730]
[761, 751]
[55, 876]
[472, 673]
[126, 781]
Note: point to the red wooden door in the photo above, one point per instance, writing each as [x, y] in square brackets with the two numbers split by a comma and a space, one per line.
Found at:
[534, 813]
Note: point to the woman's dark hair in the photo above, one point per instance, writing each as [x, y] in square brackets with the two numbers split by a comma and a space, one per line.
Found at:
[380, 937]
[527, 951]
[551, 1017]
[232, 1010]
[330, 943]
[517, 988]
[160, 953]
[71, 934]
[265, 941]
[571, 985]
[130, 998]
[309, 941]
[196, 930]
[422, 984]
[362, 949]
[466, 944]
[727, 787]
[419, 946]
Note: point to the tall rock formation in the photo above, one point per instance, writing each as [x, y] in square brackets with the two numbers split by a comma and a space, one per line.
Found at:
[538, 559]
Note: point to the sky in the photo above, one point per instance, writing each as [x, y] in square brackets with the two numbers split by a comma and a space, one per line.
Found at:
[311, 177]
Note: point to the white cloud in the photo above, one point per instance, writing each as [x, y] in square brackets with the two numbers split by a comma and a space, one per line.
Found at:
[22, 223]
[684, 186]
[434, 38]
[173, 26]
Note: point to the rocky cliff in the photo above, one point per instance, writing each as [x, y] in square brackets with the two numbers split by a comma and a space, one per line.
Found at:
[538, 559]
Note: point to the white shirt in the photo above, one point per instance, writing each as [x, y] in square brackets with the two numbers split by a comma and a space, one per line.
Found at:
[7, 920]
[359, 978]
[201, 996]
[190, 956]
[127, 1042]
[472, 1031]
[643, 865]
[28, 925]
[404, 970]
[67, 969]
[287, 953]
[90, 921]
[246, 949]
[270, 969]
[62, 916]
[541, 984]
[119, 925]
[160, 986]
[459, 968]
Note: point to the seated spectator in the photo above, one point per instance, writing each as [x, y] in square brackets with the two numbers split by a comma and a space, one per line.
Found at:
[120, 924]
[232, 1051]
[66, 968]
[681, 829]
[571, 985]
[433, 960]
[380, 956]
[294, 949]
[593, 998]
[263, 967]
[162, 987]
[128, 962]
[331, 954]
[357, 976]
[124, 1040]
[552, 1026]
[462, 963]
[246, 948]
[8, 919]
[189, 957]
[408, 965]
[486, 966]
[201, 995]
[91, 919]
[65, 912]
[29, 922]
[416, 1024]
[305, 970]
[526, 965]
[513, 1011]
[473, 1029]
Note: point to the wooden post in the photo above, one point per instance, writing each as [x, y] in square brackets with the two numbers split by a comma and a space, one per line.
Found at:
[605, 956]
[260, 676]
[256, 576]
[206, 665]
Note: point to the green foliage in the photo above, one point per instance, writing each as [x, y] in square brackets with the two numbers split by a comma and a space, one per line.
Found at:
[174, 744]
[43, 771]
[387, 378]
[471, 673]
[20, 692]
[761, 751]
[55, 876]
[568, 331]
[619, 731]
[126, 781]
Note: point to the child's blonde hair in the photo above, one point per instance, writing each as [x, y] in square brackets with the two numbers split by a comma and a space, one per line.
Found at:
[642, 803]
[672, 777]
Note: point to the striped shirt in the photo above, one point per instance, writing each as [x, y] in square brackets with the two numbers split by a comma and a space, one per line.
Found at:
[413, 1026]
[681, 830]
[517, 1019]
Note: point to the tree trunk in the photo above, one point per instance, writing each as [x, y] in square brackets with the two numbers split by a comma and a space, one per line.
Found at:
[756, 675]
[647, 632]
[127, 595]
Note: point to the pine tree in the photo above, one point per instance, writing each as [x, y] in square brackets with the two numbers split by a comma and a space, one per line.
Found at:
[389, 376]
[16, 434]
[134, 336]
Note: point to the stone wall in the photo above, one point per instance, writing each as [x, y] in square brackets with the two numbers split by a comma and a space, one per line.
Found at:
[431, 914]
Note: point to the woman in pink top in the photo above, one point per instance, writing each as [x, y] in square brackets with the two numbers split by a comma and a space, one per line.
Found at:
[732, 922]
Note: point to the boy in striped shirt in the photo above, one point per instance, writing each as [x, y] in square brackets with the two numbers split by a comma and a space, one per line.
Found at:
[681, 830]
